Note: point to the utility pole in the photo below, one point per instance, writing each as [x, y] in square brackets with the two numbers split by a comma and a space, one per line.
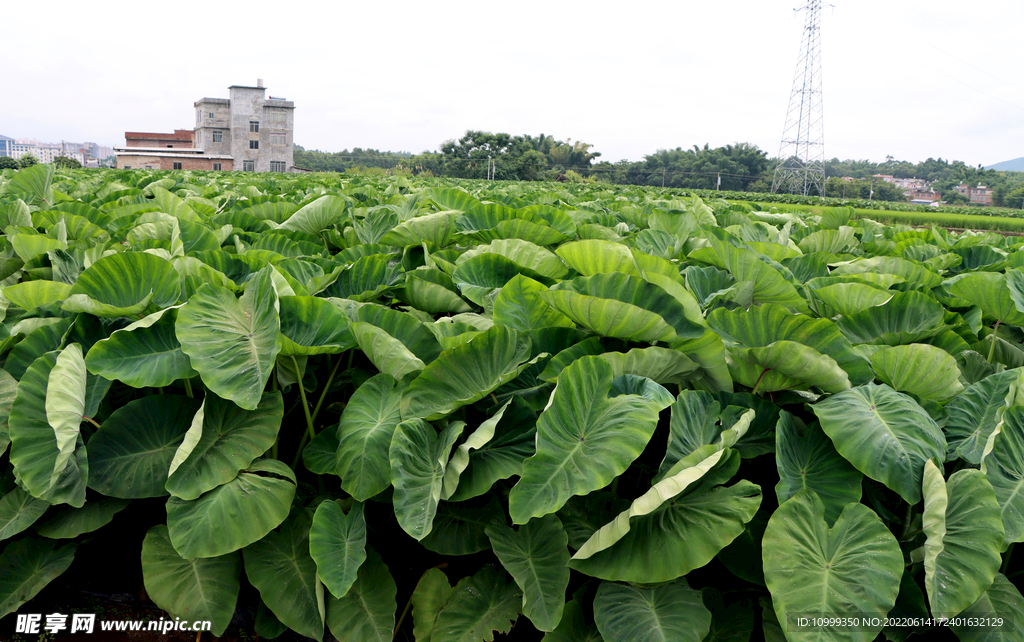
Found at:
[663, 177]
[801, 168]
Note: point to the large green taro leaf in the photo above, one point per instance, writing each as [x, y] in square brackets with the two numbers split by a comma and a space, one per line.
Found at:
[130, 454]
[460, 458]
[851, 298]
[366, 279]
[29, 295]
[127, 284]
[459, 526]
[28, 565]
[668, 613]
[587, 436]
[661, 365]
[364, 437]
[310, 325]
[885, 434]
[764, 325]
[807, 460]
[418, 458]
[39, 341]
[503, 455]
[437, 229]
[280, 567]
[222, 441]
[403, 326]
[385, 352]
[367, 611]
[232, 342]
[964, 536]
[538, 558]
[191, 589]
[1004, 468]
[769, 284]
[785, 365]
[234, 515]
[974, 413]
[68, 523]
[428, 598]
[708, 350]
[908, 317]
[18, 511]
[922, 370]
[695, 418]
[678, 525]
[337, 543]
[479, 605]
[65, 407]
[525, 254]
[467, 373]
[432, 291]
[990, 291]
[144, 354]
[907, 270]
[812, 570]
[8, 391]
[622, 306]
[316, 216]
[519, 306]
[35, 448]
[1002, 600]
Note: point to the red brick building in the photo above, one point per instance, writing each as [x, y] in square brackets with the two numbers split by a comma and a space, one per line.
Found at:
[154, 150]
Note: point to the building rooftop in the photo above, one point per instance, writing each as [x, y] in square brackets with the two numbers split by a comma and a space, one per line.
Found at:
[179, 134]
[168, 153]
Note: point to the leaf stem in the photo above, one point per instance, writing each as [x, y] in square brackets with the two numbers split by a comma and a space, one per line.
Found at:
[758, 383]
[992, 349]
[305, 404]
[91, 420]
[401, 617]
[327, 386]
[188, 388]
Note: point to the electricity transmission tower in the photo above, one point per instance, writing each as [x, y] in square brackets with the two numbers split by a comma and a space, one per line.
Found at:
[801, 168]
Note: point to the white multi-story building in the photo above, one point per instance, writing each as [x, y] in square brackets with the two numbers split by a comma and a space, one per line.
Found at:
[45, 152]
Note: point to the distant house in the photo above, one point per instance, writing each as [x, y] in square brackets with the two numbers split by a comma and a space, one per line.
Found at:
[982, 194]
[246, 131]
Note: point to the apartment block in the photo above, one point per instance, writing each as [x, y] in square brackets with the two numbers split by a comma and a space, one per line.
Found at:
[248, 131]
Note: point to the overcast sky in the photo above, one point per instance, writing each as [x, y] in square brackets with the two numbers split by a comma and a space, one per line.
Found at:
[909, 78]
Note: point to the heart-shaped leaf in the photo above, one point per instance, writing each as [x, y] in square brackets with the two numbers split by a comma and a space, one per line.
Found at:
[192, 589]
[812, 570]
[586, 437]
[232, 342]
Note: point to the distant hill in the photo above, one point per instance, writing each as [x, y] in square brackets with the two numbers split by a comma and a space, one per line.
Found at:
[1015, 165]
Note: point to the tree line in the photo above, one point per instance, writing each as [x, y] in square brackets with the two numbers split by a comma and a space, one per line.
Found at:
[734, 167]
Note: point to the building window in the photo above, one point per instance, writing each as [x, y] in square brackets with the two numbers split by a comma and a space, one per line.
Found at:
[127, 166]
[149, 167]
[277, 166]
[248, 166]
[277, 139]
[209, 114]
[216, 167]
[277, 116]
[254, 126]
[177, 165]
[218, 137]
[254, 144]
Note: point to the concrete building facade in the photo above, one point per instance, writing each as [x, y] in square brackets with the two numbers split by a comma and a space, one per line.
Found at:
[248, 131]
[257, 131]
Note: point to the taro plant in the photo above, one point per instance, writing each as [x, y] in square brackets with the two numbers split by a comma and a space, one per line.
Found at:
[381, 409]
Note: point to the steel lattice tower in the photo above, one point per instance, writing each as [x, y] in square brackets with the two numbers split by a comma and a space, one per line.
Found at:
[801, 168]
